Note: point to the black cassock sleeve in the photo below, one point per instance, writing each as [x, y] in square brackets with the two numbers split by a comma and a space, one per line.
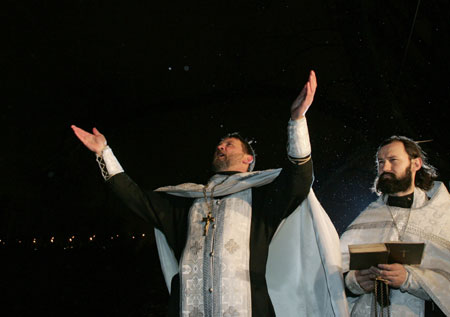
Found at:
[165, 212]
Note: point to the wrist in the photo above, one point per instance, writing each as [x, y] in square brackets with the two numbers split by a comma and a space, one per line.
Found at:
[296, 118]
[108, 163]
[100, 152]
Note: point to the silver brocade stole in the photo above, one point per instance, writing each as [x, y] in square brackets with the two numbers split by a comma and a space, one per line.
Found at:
[428, 222]
[215, 278]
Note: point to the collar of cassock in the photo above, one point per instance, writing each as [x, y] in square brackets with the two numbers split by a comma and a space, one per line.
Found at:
[223, 184]
[402, 201]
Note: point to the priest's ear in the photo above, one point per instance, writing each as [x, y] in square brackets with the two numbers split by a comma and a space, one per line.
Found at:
[248, 159]
[416, 164]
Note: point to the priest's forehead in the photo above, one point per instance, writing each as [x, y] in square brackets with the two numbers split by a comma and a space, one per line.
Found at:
[411, 147]
[234, 141]
[393, 149]
[245, 144]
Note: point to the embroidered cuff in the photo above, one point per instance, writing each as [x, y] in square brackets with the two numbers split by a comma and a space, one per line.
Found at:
[108, 163]
[352, 284]
[298, 139]
[412, 286]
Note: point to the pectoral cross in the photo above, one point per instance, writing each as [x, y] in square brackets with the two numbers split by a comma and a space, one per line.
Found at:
[207, 220]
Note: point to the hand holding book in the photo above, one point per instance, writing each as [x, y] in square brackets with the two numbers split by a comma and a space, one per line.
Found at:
[394, 275]
[364, 256]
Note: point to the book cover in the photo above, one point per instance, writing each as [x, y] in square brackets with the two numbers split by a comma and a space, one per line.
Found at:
[405, 252]
[363, 256]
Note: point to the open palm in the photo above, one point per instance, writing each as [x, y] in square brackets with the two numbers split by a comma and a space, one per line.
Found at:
[304, 100]
[94, 141]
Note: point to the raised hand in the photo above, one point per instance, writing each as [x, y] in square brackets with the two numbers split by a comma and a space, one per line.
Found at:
[305, 99]
[94, 141]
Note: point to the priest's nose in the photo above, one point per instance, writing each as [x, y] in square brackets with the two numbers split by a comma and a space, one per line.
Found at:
[385, 167]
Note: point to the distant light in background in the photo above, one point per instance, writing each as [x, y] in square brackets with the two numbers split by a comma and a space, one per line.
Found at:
[40, 243]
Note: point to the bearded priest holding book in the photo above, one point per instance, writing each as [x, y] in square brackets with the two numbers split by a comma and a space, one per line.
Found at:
[412, 207]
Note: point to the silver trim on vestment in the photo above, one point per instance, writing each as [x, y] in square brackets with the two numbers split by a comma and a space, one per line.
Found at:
[215, 275]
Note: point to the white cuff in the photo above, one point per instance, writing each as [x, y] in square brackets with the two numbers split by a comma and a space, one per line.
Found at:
[111, 163]
[412, 286]
[352, 284]
[298, 139]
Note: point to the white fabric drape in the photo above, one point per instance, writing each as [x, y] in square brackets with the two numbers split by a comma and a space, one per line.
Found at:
[304, 271]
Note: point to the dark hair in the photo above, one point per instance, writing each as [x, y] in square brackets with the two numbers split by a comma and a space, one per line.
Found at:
[427, 174]
[245, 144]
[248, 149]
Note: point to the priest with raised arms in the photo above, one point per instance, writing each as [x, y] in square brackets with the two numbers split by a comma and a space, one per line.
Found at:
[247, 242]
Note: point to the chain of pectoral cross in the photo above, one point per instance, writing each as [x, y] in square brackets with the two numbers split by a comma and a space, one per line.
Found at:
[209, 218]
[400, 234]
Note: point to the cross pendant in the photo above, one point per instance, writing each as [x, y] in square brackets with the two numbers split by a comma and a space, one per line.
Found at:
[207, 220]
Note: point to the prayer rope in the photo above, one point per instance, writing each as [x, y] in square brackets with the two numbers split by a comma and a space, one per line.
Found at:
[384, 293]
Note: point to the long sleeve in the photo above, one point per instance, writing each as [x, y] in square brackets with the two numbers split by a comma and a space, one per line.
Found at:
[156, 208]
[352, 284]
[274, 202]
[295, 180]
[412, 286]
[108, 163]
[164, 212]
[280, 198]
[298, 139]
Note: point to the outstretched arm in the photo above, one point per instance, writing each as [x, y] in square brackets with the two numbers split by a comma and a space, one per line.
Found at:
[304, 100]
[295, 179]
[156, 208]
[95, 141]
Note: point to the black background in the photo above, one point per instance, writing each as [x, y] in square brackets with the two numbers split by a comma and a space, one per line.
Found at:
[164, 81]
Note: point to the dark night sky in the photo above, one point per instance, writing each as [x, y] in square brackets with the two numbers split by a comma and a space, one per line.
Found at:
[164, 81]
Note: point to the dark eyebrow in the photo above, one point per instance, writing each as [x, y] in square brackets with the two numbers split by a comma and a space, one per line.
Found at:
[387, 158]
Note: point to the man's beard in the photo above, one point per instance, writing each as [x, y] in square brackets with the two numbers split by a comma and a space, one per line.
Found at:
[392, 185]
[220, 165]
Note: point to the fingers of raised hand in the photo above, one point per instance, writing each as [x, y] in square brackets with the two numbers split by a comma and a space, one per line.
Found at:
[313, 81]
[96, 132]
[80, 133]
[297, 102]
[311, 85]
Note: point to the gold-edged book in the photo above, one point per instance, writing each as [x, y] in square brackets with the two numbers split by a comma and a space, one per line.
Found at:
[363, 256]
